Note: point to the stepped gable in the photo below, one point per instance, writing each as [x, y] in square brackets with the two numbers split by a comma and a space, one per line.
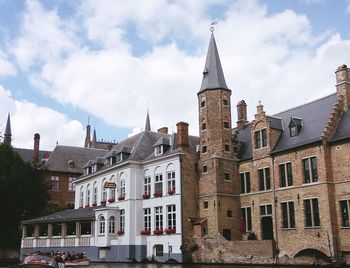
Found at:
[58, 160]
[314, 116]
[343, 130]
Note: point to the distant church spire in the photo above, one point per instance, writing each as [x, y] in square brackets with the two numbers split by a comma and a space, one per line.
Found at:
[213, 76]
[94, 139]
[87, 137]
[7, 134]
[148, 123]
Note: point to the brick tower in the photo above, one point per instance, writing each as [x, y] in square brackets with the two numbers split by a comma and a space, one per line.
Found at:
[218, 197]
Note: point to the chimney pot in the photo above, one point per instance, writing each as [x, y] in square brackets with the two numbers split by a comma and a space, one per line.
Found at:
[163, 130]
[182, 135]
[36, 148]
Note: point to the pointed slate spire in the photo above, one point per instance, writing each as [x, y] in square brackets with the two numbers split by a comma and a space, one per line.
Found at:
[148, 123]
[213, 76]
[7, 134]
[94, 139]
[87, 137]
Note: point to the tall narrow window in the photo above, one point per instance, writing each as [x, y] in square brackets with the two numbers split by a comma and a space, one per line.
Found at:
[171, 182]
[87, 196]
[104, 191]
[286, 175]
[310, 170]
[288, 215]
[260, 138]
[55, 183]
[312, 217]
[102, 225]
[264, 179]
[158, 185]
[71, 185]
[147, 186]
[226, 124]
[95, 193]
[247, 218]
[122, 188]
[158, 218]
[171, 216]
[147, 219]
[344, 212]
[245, 182]
[111, 225]
[81, 197]
[122, 221]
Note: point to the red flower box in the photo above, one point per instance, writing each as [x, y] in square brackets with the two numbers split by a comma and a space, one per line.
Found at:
[94, 204]
[158, 194]
[145, 196]
[81, 206]
[121, 232]
[122, 197]
[171, 192]
[146, 232]
[170, 230]
[158, 231]
[111, 200]
[87, 206]
[103, 202]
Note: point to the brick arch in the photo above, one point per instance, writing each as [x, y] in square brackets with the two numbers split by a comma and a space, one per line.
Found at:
[312, 252]
[260, 125]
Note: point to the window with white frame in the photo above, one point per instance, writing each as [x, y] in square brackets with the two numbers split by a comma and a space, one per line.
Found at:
[55, 183]
[310, 170]
[71, 185]
[344, 212]
[286, 175]
[312, 216]
[147, 219]
[158, 150]
[260, 138]
[147, 186]
[81, 197]
[171, 216]
[104, 191]
[158, 218]
[265, 210]
[158, 184]
[95, 193]
[288, 215]
[122, 220]
[122, 188]
[246, 214]
[264, 179]
[102, 225]
[111, 225]
[171, 182]
[87, 203]
[245, 182]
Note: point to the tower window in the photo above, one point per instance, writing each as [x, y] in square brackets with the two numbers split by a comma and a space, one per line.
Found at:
[204, 149]
[226, 124]
[229, 213]
[202, 104]
[227, 147]
[204, 126]
[225, 100]
[205, 204]
[227, 176]
[205, 169]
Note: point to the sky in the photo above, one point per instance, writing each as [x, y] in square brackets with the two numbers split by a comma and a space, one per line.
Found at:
[62, 62]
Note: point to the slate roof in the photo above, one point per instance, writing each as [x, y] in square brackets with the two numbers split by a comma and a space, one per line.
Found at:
[314, 116]
[213, 76]
[58, 160]
[27, 154]
[343, 130]
[64, 216]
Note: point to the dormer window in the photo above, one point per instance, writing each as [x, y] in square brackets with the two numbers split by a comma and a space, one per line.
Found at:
[260, 138]
[112, 160]
[295, 126]
[158, 150]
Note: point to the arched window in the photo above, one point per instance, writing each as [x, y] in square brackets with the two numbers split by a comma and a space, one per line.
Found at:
[104, 191]
[81, 197]
[112, 190]
[202, 102]
[158, 182]
[95, 194]
[87, 203]
[147, 184]
[102, 225]
[225, 100]
[204, 124]
[204, 147]
[111, 225]
[170, 171]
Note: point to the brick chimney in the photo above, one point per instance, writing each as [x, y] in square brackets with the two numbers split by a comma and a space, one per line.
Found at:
[163, 130]
[182, 135]
[343, 85]
[36, 148]
[241, 114]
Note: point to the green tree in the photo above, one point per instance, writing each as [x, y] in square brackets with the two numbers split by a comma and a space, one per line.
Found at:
[23, 195]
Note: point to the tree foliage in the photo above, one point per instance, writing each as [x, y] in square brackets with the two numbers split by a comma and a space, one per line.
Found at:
[23, 194]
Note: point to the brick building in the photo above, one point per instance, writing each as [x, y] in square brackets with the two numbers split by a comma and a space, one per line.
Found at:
[283, 178]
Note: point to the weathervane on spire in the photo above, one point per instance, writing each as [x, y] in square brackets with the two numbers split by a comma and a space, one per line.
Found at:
[212, 28]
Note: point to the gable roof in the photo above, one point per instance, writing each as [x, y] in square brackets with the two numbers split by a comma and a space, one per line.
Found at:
[27, 154]
[314, 116]
[58, 160]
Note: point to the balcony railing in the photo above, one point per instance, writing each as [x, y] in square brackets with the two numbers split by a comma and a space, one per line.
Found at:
[57, 242]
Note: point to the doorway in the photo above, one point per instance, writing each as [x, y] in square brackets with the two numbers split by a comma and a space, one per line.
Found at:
[227, 234]
[267, 228]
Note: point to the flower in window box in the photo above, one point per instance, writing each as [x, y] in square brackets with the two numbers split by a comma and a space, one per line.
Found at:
[170, 230]
[158, 194]
[171, 191]
[146, 232]
[158, 231]
[81, 206]
[121, 197]
[94, 204]
[145, 196]
[111, 200]
[87, 206]
[103, 202]
[121, 232]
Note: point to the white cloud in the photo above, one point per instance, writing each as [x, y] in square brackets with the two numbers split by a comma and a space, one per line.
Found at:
[348, 8]
[6, 67]
[274, 58]
[28, 118]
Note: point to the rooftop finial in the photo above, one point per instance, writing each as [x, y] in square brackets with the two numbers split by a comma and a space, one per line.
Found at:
[212, 28]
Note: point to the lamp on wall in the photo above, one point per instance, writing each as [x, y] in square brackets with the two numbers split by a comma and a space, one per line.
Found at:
[298, 197]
